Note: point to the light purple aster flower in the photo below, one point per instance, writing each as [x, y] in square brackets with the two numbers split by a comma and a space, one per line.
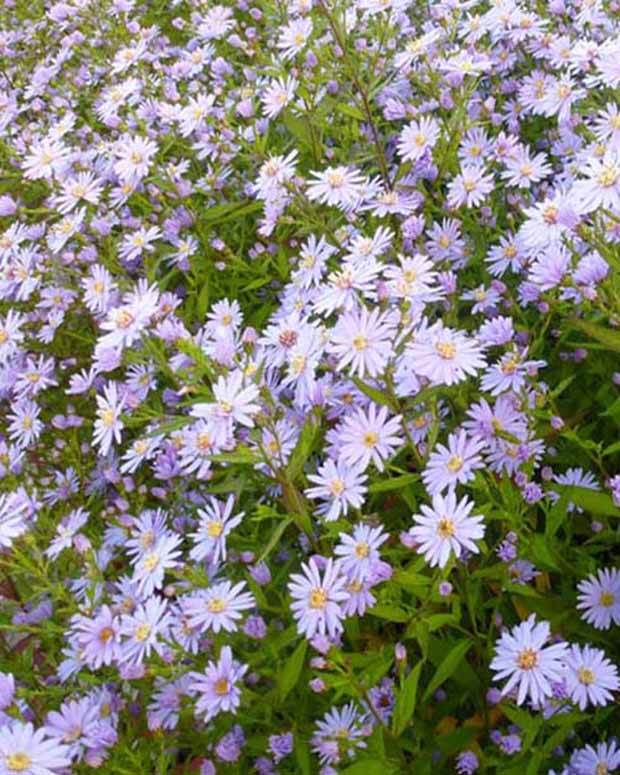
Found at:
[599, 598]
[73, 725]
[454, 464]
[445, 356]
[340, 486]
[216, 522]
[603, 759]
[219, 607]
[217, 687]
[590, 676]
[521, 656]
[317, 601]
[338, 734]
[363, 341]
[360, 551]
[369, 436]
[26, 750]
[446, 528]
[142, 629]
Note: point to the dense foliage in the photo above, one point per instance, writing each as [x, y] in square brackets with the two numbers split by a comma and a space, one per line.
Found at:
[309, 386]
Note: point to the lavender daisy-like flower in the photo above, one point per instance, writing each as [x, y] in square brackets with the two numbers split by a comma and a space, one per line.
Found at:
[98, 638]
[74, 724]
[217, 686]
[445, 356]
[13, 513]
[340, 486]
[216, 522]
[317, 601]
[603, 759]
[599, 598]
[369, 437]
[142, 628]
[454, 464]
[338, 734]
[418, 137]
[219, 607]
[532, 668]
[28, 751]
[360, 551]
[590, 676]
[363, 341]
[446, 528]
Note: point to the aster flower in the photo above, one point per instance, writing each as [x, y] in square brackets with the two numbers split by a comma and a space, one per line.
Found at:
[215, 524]
[363, 341]
[74, 725]
[217, 688]
[530, 666]
[601, 760]
[590, 676]
[151, 567]
[278, 95]
[599, 598]
[26, 750]
[317, 599]
[417, 138]
[98, 638]
[446, 528]
[336, 186]
[359, 552]
[444, 355]
[294, 36]
[134, 157]
[454, 464]
[219, 607]
[14, 511]
[339, 734]
[340, 485]
[369, 436]
[470, 187]
[141, 630]
[108, 425]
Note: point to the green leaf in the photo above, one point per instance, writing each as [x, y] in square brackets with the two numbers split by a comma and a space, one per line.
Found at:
[275, 537]
[302, 755]
[375, 394]
[528, 723]
[405, 702]
[303, 449]
[448, 667]
[591, 500]
[397, 483]
[602, 334]
[390, 612]
[292, 669]
[369, 767]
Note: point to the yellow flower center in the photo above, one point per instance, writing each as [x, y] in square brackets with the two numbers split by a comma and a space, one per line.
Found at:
[455, 463]
[446, 350]
[215, 529]
[608, 176]
[203, 442]
[18, 762]
[370, 439]
[318, 598]
[336, 486]
[445, 528]
[150, 561]
[142, 632]
[106, 634]
[362, 550]
[360, 343]
[606, 599]
[222, 686]
[107, 417]
[216, 605]
[585, 676]
[3, 336]
[527, 659]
